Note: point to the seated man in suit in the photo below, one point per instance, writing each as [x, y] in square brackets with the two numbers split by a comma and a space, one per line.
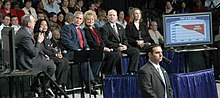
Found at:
[118, 42]
[73, 39]
[29, 53]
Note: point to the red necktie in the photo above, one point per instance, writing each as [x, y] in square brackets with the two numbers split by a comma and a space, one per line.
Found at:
[80, 38]
[96, 35]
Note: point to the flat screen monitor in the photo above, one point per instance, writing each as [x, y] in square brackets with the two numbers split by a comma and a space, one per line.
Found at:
[189, 29]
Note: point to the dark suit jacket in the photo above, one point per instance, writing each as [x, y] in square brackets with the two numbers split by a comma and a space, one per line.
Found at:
[92, 40]
[113, 41]
[70, 39]
[151, 84]
[132, 34]
[28, 54]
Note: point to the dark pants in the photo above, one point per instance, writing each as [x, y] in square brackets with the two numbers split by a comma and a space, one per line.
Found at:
[134, 55]
[62, 70]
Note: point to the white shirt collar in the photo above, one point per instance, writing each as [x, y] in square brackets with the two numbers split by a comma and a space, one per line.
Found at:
[155, 65]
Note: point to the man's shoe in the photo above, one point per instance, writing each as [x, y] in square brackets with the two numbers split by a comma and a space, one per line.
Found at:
[93, 92]
[36, 89]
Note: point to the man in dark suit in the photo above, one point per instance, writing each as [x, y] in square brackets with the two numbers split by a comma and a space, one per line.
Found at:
[29, 52]
[153, 80]
[73, 39]
[118, 41]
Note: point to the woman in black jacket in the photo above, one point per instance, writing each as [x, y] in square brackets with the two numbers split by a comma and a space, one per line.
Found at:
[53, 52]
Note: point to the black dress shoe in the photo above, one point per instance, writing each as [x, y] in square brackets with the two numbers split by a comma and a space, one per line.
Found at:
[93, 92]
[36, 89]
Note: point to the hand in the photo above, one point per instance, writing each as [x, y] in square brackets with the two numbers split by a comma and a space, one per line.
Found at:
[139, 42]
[106, 49]
[47, 57]
[40, 38]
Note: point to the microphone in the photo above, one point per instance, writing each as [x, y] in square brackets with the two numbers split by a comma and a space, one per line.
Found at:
[166, 60]
[41, 31]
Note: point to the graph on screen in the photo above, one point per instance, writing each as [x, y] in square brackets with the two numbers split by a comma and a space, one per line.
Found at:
[184, 31]
[187, 29]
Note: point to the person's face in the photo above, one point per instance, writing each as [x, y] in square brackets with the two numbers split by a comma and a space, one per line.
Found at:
[7, 5]
[92, 7]
[56, 34]
[137, 14]
[31, 23]
[40, 16]
[121, 15]
[28, 4]
[183, 5]
[14, 21]
[40, 5]
[112, 16]
[44, 26]
[90, 21]
[54, 18]
[80, 3]
[6, 20]
[156, 56]
[72, 2]
[65, 3]
[154, 26]
[78, 19]
[60, 17]
[70, 19]
[168, 5]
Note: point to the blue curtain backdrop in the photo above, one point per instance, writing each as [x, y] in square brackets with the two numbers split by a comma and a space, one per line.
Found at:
[177, 66]
[200, 84]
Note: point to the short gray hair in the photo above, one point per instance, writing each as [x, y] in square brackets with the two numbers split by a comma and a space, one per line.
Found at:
[68, 15]
[77, 13]
[25, 19]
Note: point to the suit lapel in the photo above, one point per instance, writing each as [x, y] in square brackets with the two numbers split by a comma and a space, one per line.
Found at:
[157, 73]
[113, 32]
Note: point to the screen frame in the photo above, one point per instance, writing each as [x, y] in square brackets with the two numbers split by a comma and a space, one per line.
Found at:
[187, 44]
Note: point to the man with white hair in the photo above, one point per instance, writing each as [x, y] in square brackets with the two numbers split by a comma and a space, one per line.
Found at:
[118, 42]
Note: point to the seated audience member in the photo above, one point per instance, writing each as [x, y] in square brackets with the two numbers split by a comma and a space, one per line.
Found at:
[64, 7]
[60, 19]
[14, 23]
[155, 34]
[51, 6]
[137, 31]
[41, 15]
[29, 52]
[169, 9]
[73, 39]
[6, 23]
[101, 19]
[69, 18]
[19, 11]
[118, 42]
[199, 7]
[29, 10]
[153, 80]
[72, 4]
[92, 6]
[96, 40]
[121, 19]
[6, 10]
[79, 6]
[183, 8]
[62, 64]
[40, 9]
[53, 21]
